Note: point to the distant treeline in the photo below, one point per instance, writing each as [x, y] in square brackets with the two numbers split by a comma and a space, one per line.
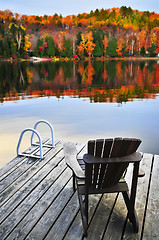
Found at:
[115, 32]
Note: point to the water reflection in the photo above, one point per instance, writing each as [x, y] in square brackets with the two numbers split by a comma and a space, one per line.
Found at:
[110, 81]
[56, 92]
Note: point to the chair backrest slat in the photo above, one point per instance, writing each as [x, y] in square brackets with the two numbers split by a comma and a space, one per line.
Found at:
[91, 151]
[107, 147]
[105, 175]
[91, 147]
[98, 153]
[106, 153]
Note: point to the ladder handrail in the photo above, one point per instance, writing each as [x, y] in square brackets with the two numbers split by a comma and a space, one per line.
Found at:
[33, 131]
[51, 128]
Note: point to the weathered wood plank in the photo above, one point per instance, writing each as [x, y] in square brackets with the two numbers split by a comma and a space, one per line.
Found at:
[13, 164]
[76, 229]
[65, 219]
[101, 217]
[33, 149]
[151, 230]
[18, 171]
[36, 192]
[117, 220]
[23, 209]
[141, 197]
[40, 203]
[31, 184]
[52, 213]
[16, 184]
[38, 210]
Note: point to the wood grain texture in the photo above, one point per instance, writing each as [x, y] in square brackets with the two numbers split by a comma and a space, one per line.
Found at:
[38, 202]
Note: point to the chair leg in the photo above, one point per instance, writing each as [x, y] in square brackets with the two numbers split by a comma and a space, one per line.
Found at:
[83, 212]
[132, 215]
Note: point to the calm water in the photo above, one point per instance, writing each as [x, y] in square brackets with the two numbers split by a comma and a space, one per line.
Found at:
[82, 100]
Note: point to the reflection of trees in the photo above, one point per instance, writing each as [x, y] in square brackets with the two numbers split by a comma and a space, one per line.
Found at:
[13, 80]
[100, 81]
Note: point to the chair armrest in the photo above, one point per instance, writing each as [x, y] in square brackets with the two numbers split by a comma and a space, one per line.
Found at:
[70, 153]
[132, 158]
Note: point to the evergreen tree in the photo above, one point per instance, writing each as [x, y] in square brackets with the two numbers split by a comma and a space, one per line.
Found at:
[97, 50]
[98, 35]
[6, 52]
[13, 48]
[39, 48]
[79, 39]
[50, 50]
[112, 46]
[142, 51]
[36, 52]
[1, 48]
[1, 29]
[152, 50]
[68, 50]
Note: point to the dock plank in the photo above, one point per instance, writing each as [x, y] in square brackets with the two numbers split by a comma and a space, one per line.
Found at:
[59, 229]
[13, 184]
[38, 202]
[75, 231]
[23, 209]
[30, 185]
[151, 230]
[141, 197]
[40, 208]
[51, 215]
[17, 161]
[117, 220]
[101, 217]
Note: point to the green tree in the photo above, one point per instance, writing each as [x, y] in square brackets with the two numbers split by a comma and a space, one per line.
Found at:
[18, 34]
[13, 48]
[98, 36]
[50, 50]
[1, 48]
[125, 52]
[6, 52]
[126, 12]
[68, 49]
[37, 18]
[142, 51]
[78, 37]
[1, 28]
[97, 50]
[151, 50]
[38, 50]
[112, 46]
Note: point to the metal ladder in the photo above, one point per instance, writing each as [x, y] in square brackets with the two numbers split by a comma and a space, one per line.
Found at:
[34, 131]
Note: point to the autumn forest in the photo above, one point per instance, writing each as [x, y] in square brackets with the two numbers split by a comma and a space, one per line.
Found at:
[116, 32]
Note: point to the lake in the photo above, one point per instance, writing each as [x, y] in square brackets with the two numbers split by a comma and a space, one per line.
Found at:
[82, 101]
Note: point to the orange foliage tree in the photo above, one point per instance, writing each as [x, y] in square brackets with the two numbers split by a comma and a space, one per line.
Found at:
[120, 45]
[59, 39]
[105, 43]
[86, 44]
[90, 45]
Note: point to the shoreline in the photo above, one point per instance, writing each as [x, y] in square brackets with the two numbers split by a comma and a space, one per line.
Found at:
[45, 59]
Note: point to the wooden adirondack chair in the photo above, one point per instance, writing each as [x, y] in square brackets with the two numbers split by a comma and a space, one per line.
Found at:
[101, 171]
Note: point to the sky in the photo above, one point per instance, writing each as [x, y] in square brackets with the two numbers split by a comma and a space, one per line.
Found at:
[69, 7]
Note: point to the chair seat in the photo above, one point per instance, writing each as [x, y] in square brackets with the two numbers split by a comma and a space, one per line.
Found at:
[119, 187]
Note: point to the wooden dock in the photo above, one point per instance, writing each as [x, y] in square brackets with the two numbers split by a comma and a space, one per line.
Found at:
[37, 201]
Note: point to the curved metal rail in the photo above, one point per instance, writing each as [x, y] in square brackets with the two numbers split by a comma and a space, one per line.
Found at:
[51, 128]
[40, 143]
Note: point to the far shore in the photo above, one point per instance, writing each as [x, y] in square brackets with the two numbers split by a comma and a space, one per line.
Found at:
[44, 59]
